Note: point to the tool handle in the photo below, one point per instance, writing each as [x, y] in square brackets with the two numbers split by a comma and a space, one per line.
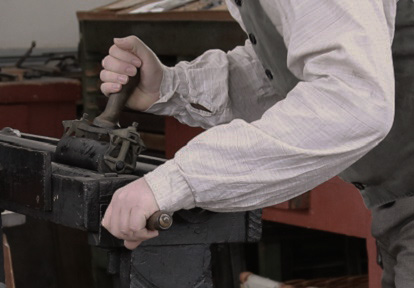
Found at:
[160, 220]
[109, 118]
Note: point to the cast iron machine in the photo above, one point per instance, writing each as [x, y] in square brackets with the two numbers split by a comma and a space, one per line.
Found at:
[71, 181]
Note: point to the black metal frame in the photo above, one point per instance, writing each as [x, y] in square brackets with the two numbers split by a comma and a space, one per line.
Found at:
[33, 184]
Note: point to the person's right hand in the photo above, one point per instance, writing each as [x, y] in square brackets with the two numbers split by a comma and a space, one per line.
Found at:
[125, 56]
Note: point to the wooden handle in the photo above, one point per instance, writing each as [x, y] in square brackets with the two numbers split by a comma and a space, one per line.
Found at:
[109, 118]
[160, 220]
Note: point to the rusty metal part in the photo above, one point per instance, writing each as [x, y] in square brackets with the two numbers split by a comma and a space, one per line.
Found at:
[109, 118]
[124, 147]
[13, 136]
[27, 54]
[102, 145]
[100, 149]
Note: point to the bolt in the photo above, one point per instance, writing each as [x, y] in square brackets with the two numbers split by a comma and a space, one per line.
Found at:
[85, 116]
[119, 166]
[135, 124]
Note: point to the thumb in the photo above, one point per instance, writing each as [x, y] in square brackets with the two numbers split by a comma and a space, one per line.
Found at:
[131, 44]
[131, 245]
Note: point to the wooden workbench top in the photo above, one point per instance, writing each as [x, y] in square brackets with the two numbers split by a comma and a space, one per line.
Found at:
[207, 15]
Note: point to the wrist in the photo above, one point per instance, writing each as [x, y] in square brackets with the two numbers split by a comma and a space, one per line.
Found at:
[169, 187]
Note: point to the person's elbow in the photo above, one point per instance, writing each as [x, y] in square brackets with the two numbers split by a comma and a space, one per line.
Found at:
[383, 109]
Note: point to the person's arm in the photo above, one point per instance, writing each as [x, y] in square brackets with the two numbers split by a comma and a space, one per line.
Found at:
[216, 88]
[341, 109]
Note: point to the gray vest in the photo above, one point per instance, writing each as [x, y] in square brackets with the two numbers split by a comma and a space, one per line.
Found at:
[386, 173]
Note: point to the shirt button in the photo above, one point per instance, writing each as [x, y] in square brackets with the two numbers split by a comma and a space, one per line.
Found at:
[269, 74]
[252, 39]
[238, 2]
[359, 186]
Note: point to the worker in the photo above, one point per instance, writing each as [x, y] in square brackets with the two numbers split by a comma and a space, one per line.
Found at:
[308, 95]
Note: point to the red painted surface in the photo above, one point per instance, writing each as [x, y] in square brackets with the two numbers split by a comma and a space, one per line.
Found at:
[334, 206]
[177, 135]
[39, 106]
[337, 207]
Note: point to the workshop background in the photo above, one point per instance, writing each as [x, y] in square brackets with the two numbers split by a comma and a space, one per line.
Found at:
[50, 55]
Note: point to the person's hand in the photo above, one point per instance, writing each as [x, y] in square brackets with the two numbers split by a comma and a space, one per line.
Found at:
[125, 56]
[127, 214]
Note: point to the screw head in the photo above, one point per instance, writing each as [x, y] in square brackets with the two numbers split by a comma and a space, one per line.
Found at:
[165, 221]
[119, 166]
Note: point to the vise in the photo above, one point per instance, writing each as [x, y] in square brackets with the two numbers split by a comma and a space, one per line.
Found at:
[34, 183]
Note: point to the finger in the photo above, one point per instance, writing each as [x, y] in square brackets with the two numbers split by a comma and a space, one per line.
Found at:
[137, 219]
[148, 234]
[138, 223]
[135, 46]
[115, 65]
[123, 224]
[109, 88]
[120, 224]
[106, 221]
[112, 77]
[130, 43]
[131, 245]
[124, 55]
[115, 217]
[140, 236]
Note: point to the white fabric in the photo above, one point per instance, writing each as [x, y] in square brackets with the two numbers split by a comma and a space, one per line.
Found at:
[266, 152]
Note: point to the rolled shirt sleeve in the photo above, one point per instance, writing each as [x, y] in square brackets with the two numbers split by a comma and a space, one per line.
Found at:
[341, 108]
[226, 85]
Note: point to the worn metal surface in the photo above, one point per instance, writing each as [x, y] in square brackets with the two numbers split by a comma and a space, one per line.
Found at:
[25, 177]
[98, 148]
[193, 269]
[79, 197]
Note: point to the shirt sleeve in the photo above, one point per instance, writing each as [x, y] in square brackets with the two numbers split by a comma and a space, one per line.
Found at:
[342, 107]
[215, 88]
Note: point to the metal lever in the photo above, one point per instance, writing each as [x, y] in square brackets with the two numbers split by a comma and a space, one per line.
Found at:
[109, 118]
[160, 220]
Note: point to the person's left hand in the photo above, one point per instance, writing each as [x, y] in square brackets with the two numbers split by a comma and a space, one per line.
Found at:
[127, 214]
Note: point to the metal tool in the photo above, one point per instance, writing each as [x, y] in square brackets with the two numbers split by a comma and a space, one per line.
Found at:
[104, 146]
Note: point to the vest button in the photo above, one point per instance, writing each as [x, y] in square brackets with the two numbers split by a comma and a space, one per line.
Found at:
[252, 39]
[269, 74]
[358, 185]
[238, 2]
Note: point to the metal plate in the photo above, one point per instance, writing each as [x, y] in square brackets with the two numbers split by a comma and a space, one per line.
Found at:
[25, 176]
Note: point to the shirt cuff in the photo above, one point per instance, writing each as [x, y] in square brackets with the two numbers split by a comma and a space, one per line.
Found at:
[172, 90]
[170, 189]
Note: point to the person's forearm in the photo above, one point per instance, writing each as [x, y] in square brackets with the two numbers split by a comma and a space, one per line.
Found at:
[215, 88]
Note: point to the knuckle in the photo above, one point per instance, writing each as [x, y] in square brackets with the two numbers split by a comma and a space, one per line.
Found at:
[133, 37]
[103, 88]
[120, 196]
[112, 50]
[102, 75]
[135, 228]
[105, 61]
